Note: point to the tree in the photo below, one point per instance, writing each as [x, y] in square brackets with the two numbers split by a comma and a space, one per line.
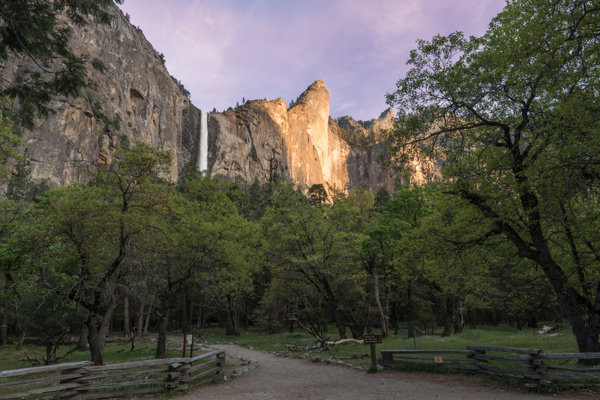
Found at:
[512, 118]
[97, 225]
[313, 251]
[8, 142]
[34, 29]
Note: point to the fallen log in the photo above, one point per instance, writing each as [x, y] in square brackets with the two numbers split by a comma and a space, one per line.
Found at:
[354, 356]
[305, 348]
[345, 341]
[546, 329]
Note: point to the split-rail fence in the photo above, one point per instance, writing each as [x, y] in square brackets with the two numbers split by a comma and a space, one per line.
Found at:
[83, 380]
[531, 365]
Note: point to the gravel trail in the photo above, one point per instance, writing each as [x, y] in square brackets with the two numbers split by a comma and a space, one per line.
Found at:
[289, 378]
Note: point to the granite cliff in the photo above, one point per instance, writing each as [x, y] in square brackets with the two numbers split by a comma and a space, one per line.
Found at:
[131, 94]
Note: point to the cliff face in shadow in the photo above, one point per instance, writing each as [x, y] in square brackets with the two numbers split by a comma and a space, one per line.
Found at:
[129, 94]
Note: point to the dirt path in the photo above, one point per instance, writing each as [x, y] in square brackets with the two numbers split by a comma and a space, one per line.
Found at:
[289, 378]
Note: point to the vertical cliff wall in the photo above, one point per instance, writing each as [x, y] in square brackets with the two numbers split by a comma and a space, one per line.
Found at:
[130, 94]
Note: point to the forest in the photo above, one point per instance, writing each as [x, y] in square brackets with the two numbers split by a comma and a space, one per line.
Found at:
[508, 234]
[132, 251]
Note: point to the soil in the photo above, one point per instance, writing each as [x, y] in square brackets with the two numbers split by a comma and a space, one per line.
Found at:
[292, 378]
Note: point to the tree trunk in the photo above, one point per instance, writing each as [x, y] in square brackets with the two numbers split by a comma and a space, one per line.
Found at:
[448, 323]
[161, 346]
[358, 331]
[4, 325]
[140, 320]
[410, 310]
[201, 314]
[126, 320]
[184, 316]
[339, 323]
[232, 320]
[531, 321]
[105, 325]
[473, 319]
[147, 324]
[382, 317]
[518, 321]
[82, 344]
[95, 352]
[191, 314]
[272, 321]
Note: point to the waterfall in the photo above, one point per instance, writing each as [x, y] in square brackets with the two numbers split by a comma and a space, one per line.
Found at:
[202, 161]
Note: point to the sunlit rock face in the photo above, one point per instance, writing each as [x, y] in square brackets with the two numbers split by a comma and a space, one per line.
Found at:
[129, 94]
[261, 139]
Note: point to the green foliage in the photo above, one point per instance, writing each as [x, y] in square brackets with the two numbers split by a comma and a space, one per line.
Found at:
[317, 194]
[9, 140]
[513, 117]
[99, 65]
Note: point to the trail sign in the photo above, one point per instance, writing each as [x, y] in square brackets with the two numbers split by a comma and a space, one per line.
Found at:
[372, 339]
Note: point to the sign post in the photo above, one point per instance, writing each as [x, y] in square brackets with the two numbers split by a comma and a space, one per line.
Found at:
[373, 340]
[188, 339]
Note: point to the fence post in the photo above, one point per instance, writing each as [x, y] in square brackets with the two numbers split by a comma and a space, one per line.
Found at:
[176, 379]
[388, 358]
[534, 371]
[81, 379]
[221, 365]
[476, 355]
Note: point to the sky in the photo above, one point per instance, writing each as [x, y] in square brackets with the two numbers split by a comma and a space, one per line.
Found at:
[228, 50]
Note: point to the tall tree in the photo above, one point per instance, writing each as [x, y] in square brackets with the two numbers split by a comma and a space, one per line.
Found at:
[513, 118]
[97, 225]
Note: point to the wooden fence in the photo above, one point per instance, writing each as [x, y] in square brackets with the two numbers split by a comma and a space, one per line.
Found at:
[531, 365]
[83, 380]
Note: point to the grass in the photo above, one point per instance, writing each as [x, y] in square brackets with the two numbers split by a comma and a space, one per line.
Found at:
[114, 353]
[497, 336]
[258, 338]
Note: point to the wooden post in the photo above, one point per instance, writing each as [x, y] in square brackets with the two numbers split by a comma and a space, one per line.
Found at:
[534, 371]
[373, 357]
[192, 347]
[372, 340]
[221, 365]
[388, 358]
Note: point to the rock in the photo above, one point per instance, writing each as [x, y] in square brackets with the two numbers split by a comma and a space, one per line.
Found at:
[328, 361]
[349, 365]
[135, 96]
[244, 370]
[358, 368]
[340, 362]
[251, 367]
[233, 376]
[379, 367]
[315, 359]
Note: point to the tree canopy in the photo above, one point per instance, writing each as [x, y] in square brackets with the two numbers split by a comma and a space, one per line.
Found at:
[513, 119]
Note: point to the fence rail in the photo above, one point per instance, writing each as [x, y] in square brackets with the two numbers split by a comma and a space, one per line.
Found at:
[83, 380]
[531, 365]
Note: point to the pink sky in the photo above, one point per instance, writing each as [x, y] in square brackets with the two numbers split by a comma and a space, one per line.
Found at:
[227, 50]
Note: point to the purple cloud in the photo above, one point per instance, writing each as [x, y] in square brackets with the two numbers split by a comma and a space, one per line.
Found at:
[223, 51]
